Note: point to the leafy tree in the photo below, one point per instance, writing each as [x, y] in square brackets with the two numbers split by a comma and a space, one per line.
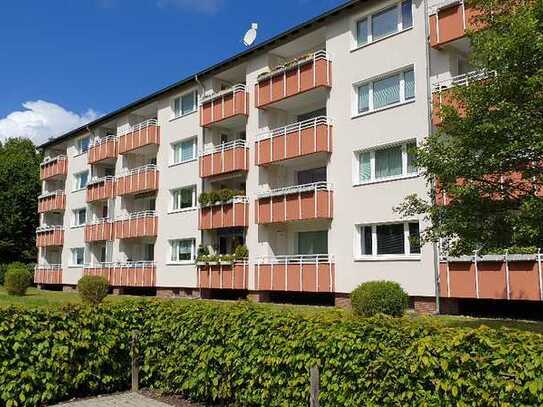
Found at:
[19, 191]
[488, 159]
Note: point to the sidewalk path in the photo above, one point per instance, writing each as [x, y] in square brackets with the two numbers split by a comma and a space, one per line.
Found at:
[118, 400]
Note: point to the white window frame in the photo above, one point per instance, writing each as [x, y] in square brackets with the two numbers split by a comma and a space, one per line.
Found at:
[74, 252]
[355, 88]
[173, 197]
[78, 145]
[384, 257]
[192, 252]
[373, 180]
[180, 96]
[77, 186]
[194, 141]
[75, 220]
[368, 17]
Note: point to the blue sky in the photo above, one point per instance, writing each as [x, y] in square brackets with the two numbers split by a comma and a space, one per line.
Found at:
[65, 62]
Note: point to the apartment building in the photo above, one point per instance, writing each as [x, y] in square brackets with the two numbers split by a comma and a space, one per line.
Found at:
[298, 148]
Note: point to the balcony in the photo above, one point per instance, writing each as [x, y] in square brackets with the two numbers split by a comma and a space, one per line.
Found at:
[100, 189]
[138, 180]
[232, 276]
[48, 236]
[52, 202]
[141, 135]
[302, 273]
[225, 159]
[510, 277]
[295, 140]
[449, 21]
[140, 224]
[443, 92]
[53, 167]
[48, 274]
[296, 77]
[227, 108]
[225, 215]
[102, 149]
[296, 203]
[134, 274]
[99, 231]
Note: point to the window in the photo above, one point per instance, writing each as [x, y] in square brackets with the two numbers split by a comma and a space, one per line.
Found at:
[311, 176]
[81, 180]
[149, 252]
[78, 256]
[313, 242]
[387, 163]
[390, 239]
[83, 145]
[184, 151]
[80, 217]
[185, 104]
[182, 250]
[387, 91]
[384, 23]
[184, 198]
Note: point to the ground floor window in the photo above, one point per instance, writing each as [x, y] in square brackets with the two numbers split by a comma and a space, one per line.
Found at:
[389, 239]
[313, 242]
[182, 250]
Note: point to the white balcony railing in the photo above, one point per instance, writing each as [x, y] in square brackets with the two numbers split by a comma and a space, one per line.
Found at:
[102, 140]
[137, 215]
[49, 194]
[48, 160]
[100, 221]
[138, 170]
[295, 127]
[49, 267]
[240, 87]
[239, 143]
[234, 200]
[121, 264]
[321, 54]
[137, 127]
[314, 186]
[47, 228]
[296, 259]
[98, 180]
[462, 80]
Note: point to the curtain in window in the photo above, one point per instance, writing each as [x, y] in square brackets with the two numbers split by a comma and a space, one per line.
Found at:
[177, 107]
[384, 23]
[365, 166]
[187, 150]
[409, 87]
[407, 14]
[411, 168]
[313, 242]
[362, 32]
[388, 162]
[181, 250]
[188, 103]
[390, 239]
[363, 98]
[386, 91]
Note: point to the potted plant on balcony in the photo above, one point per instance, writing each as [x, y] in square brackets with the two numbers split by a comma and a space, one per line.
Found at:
[203, 254]
[226, 259]
[241, 253]
[203, 199]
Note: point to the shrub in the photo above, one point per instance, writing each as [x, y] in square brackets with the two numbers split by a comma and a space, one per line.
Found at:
[92, 289]
[202, 251]
[17, 279]
[214, 197]
[379, 297]
[203, 199]
[226, 194]
[241, 252]
[3, 268]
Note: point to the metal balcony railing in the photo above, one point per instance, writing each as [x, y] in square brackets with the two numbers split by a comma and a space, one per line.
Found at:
[314, 186]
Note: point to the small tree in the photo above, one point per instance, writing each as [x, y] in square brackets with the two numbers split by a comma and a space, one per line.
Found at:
[379, 297]
[92, 289]
[17, 279]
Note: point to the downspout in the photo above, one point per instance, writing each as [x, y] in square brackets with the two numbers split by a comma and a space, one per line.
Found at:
[435, 248]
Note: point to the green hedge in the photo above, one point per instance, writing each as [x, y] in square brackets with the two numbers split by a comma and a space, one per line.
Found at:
[250, 355]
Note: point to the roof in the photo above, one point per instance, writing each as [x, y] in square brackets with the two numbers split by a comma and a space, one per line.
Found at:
[292, 32]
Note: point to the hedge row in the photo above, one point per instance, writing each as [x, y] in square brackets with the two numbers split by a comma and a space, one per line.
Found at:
[244, 354]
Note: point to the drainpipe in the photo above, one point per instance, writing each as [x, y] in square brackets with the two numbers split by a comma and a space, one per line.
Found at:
[430, 129]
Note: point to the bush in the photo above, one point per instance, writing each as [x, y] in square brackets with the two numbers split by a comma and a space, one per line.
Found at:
[379, 297]
[241, 252]
[3, 268]
[202, 251]
[92, 289]
[214, 197]
[226, 194]
[203, 199]
[17, 279]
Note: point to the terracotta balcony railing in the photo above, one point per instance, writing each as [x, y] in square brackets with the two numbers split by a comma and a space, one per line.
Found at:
[295, 140]
[227, 104]
[225, 215]
[52, 202]
[293, 78]
[47, 236]
[442, 91]
[140, 224]
[141, 135]
[99, 231]
[48, 274]
[302, 273]
[102, 149]
[226, 158]
[233, 276]
[53, 167]
[299, 202]
[503, 277]
[99, 189]
[449, 21]
[133, 274]
[138, 180]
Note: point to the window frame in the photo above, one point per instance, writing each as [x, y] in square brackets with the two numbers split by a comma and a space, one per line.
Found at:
[80, 151]
[75, 219]
[368, 17]
[179, 97]
[194, 141]
[406, 255]
[74, 257]
[373, 180]
[173, 199]
[172, 243]
[77, 184]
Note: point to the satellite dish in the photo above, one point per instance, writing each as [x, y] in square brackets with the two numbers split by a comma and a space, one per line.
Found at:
[250, 35]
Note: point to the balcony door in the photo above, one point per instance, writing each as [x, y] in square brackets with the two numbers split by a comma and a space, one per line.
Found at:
[311, 176]
[313, 242]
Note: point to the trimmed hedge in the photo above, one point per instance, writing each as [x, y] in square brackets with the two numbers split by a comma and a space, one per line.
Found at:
[246, 354]
[17, 279]
[92, 289]
[379, 297]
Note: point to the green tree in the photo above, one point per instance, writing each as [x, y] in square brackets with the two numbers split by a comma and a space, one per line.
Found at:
[19, 191]
[488, 160]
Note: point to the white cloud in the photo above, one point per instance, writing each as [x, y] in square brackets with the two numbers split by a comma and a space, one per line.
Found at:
[40, 120]
[203, 6]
